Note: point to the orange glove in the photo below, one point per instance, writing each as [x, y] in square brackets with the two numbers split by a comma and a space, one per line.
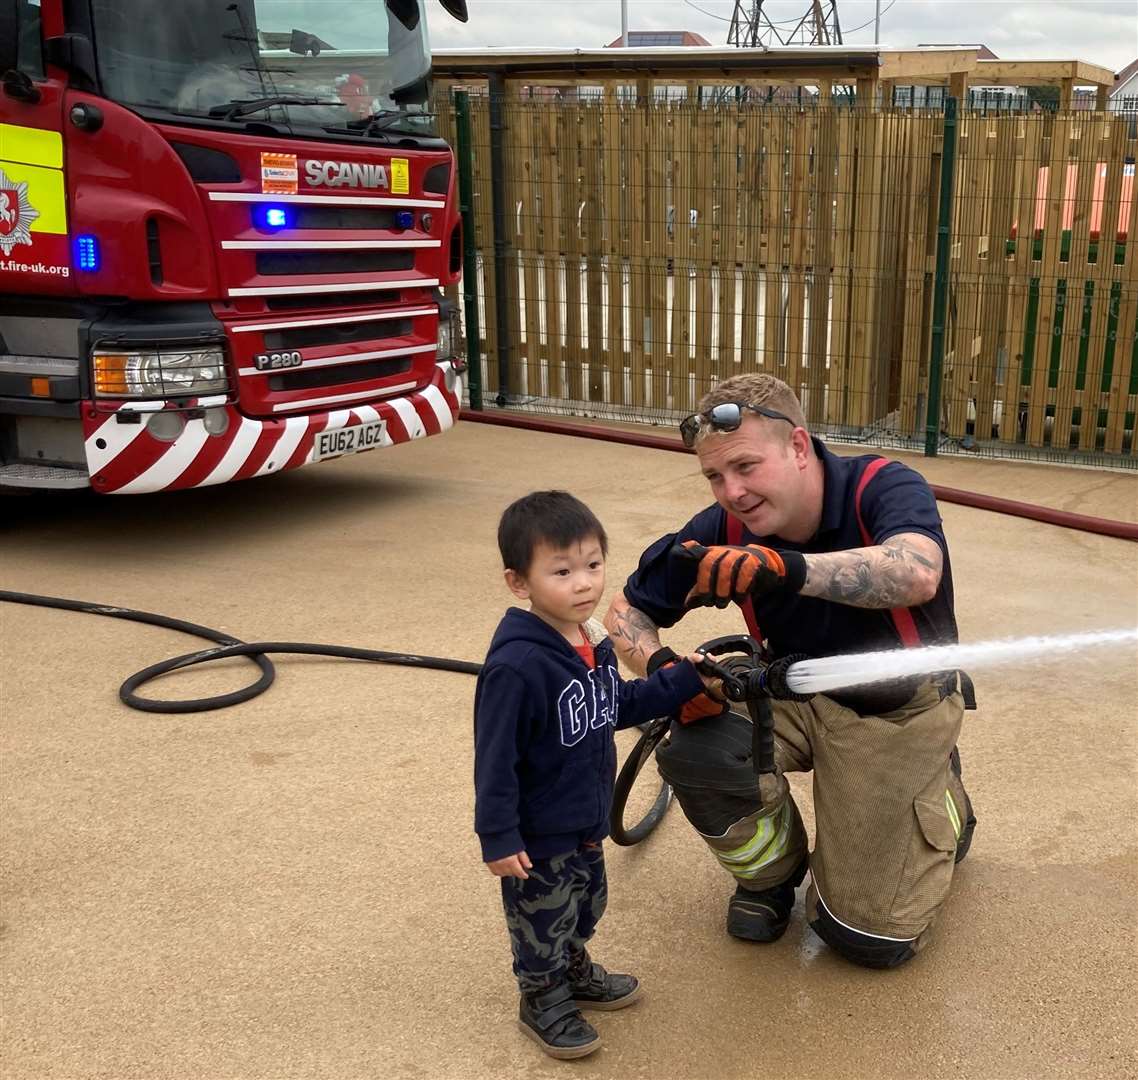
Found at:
[728, 573]
[700, 706]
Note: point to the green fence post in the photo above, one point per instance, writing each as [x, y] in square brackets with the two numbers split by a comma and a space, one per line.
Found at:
[940, 282]
[465, 155]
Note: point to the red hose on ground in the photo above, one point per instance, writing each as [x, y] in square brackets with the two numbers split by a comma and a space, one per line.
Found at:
[1123, 530]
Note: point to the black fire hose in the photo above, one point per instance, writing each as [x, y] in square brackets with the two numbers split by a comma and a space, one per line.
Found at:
[229, 646]
[257, 652]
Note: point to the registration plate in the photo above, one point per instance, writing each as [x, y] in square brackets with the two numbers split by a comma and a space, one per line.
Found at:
[350, 440]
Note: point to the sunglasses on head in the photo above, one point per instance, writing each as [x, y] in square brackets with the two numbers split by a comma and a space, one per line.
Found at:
[725, 417]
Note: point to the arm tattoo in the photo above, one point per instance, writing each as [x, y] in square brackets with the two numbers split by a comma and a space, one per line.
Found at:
[904, 571]
[635, 637]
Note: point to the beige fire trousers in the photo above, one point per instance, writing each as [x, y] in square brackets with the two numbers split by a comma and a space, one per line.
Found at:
[888, 809]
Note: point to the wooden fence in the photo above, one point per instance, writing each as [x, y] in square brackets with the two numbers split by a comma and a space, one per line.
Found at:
[657, 247]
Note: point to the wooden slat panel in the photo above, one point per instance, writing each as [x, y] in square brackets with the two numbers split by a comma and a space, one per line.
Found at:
[592, 194]
[642, 128]
[615, 216]
[484, 227]
[774, 227]
[837, 397]
[821, 259]
[965, 298]
[1078, 271]
[514, 118]
[550, 238]
[921, 198]
[893, 254]
[990, 373]
[1119, 399]
[701, 132]
[568, 136]
[751, 253]
[727, 255]
[1029, 153]
[1112, 150]
[864, 269]
[798, 145]
[656, 203]
[1049, 275]
[685, 391]
[523, 165]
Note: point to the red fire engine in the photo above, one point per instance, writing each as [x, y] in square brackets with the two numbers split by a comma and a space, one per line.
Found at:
[224, 228]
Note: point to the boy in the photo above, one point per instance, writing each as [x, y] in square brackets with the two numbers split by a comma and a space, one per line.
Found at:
[546, 704]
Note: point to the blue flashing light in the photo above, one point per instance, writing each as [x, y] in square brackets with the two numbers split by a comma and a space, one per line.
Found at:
[404, 219]
[270, 218]
[87, 253]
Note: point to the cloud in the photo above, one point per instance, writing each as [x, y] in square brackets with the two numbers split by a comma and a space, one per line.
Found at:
[1103, 32]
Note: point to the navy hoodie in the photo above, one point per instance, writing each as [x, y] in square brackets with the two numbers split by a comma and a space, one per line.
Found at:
[544, 754]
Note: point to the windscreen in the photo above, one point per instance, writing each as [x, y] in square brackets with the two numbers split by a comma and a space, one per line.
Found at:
[335, 61]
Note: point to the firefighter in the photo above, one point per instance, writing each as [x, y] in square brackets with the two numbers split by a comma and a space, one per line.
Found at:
[825, 555]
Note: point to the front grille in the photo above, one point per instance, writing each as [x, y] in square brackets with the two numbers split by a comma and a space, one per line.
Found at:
[337, 376]
[342, 217]
[284, 263]
[331, 300]
[303, 337]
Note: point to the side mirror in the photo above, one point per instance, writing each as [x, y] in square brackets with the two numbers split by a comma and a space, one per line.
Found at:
[456, 8]
[74, 53]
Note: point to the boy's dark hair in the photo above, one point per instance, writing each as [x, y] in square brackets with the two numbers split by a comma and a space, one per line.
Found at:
[554, 517]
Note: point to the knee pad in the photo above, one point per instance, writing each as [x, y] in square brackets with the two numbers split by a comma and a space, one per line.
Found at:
[867, 950]
[708, 765]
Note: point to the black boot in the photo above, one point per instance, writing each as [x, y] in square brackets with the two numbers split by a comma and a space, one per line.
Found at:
[763, 916]
[595, 988]
[965, 841]
[551, 1018]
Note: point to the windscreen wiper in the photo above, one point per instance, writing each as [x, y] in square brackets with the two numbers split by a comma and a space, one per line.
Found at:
[384, 119]
[233, 109]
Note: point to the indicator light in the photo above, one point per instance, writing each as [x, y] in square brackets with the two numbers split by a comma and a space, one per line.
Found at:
[270, 218]
[87, 253]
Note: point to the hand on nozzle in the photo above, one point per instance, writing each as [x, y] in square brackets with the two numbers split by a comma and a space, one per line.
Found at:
[514, 865]
[701, 705]
[711, 702]
[712, 683]
[728, 573]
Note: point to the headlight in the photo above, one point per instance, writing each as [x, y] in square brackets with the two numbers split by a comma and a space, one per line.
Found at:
[152, 374]
[449, 334]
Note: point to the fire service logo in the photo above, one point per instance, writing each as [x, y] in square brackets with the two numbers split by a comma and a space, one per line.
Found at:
[16, 214]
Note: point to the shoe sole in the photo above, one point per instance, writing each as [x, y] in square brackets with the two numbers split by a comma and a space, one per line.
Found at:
[609, 1006]
[562, 1053]
[739, 929]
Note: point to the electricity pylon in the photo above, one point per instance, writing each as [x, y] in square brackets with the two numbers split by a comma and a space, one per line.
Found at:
[752, 28]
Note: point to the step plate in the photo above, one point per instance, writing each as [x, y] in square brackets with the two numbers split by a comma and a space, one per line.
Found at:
[21, 475]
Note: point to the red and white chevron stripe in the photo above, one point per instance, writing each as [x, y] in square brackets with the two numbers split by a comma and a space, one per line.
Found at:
[124, 459]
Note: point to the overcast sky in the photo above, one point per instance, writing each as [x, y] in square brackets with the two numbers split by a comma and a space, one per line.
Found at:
[1103, 32]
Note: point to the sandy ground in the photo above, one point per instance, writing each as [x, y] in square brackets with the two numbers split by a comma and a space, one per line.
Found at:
[292, 888]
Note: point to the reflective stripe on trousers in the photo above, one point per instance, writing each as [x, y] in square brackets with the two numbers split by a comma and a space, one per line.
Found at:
[766, 844]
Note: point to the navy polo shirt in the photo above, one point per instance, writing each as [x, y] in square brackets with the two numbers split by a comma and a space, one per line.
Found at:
[896, 500]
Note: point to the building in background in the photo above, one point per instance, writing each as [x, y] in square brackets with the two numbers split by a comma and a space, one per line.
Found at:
[659, 39]
[1124, 96]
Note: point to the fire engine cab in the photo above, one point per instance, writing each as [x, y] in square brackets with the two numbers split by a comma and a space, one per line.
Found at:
[225, 226]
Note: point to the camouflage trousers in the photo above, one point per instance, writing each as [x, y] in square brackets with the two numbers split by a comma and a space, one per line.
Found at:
[552, 914]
